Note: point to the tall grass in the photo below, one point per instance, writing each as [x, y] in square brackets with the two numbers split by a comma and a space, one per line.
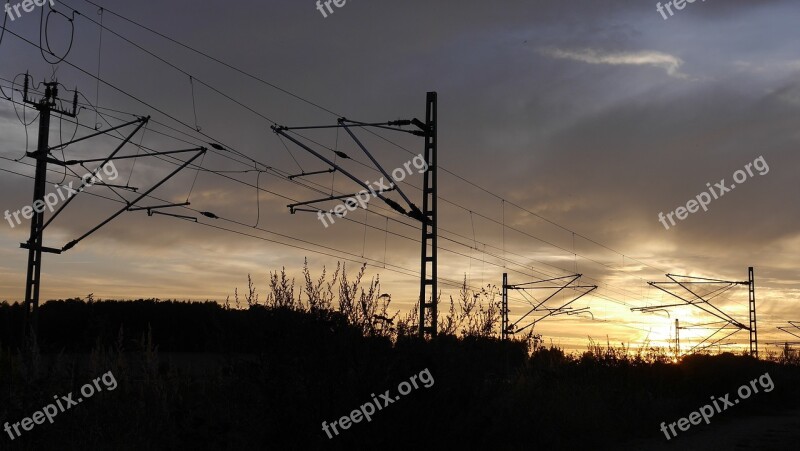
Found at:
[363, 304]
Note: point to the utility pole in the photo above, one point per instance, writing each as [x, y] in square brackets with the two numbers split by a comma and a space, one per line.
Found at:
[45, 106]
[428, 317]
[701, 301]
[428, 276]
[564, 309]
[677, 340]
[751, 282]
[504, 309]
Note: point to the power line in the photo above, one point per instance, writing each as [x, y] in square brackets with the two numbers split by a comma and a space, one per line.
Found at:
[393, 233]
[239, 153]
[229, 66]
[272, 85]
[258, 189]
[342, 254]
[347, 257]
[448, 250]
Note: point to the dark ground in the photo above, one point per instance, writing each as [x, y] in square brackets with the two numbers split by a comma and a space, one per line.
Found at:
[198, 376]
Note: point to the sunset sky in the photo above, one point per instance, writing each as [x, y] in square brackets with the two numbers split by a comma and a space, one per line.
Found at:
[593, 116]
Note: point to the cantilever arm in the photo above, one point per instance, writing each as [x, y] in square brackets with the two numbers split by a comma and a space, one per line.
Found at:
[72, 243]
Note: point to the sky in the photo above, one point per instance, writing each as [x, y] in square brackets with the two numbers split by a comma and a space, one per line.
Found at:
[565, 128]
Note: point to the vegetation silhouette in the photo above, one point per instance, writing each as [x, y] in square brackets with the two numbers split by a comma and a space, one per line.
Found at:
[264, 372]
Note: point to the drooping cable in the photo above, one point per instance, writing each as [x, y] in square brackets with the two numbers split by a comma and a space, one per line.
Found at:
[202, 159]
[99, 55]
[44, 36]
[194, 103]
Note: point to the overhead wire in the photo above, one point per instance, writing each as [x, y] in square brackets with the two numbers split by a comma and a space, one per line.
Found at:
[342, 254]
[284, 196]
[327, 110]
[242, 154]
[387, 218]
[2, 35]
[99, 55]
[267, 118]
[44, 36]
